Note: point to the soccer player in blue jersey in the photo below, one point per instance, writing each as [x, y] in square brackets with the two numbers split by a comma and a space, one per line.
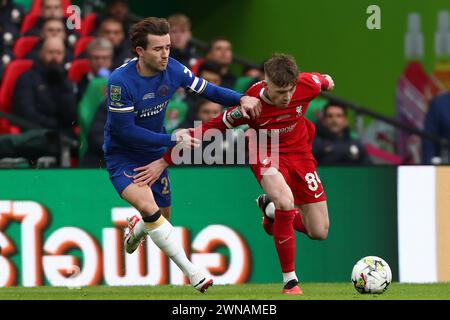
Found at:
[138, 94]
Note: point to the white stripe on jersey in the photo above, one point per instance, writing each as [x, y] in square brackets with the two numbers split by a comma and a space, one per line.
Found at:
[127, 109]
[224, 118]
[194, 84]
[203, 86]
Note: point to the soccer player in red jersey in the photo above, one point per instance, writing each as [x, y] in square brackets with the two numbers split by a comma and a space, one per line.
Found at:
[288, 175]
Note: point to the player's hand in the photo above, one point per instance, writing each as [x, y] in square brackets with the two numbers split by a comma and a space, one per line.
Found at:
[250, 107]
[330, 82]
[150, 173]
[186, 139]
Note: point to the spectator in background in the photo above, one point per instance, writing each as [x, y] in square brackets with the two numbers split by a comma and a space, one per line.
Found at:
[51, 28]
[333, 144]
[205, 110]
[180, 38]
[112, 29]
[43, 95]
[220, 51]
[100, 56]
[94, 157]
[119, 10]
[52, 9]
[250, 76]
[210, 71]
[437, 122]
[208, 110]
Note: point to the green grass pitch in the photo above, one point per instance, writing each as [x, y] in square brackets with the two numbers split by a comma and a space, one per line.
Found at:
[312, 291]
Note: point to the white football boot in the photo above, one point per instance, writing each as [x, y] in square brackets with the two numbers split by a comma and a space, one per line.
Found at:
[200, 281]
[132, 241]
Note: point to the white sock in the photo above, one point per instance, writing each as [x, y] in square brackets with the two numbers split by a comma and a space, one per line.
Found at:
[270, 210]
[163, 237]
[288, 276]
[139, 229]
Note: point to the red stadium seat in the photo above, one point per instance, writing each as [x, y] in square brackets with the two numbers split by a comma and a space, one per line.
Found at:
[81, 45]
[78, 69]
[24, 45]
[28, 22]
[13, 70]
[88, 24]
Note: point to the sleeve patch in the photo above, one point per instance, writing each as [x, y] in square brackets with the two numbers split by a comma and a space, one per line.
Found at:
[115, 93]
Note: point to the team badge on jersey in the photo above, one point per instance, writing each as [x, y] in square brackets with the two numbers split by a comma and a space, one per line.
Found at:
[163, 90]
[115, 93]
[299, 110]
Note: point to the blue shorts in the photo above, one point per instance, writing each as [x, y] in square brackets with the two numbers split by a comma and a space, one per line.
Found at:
[120, 168]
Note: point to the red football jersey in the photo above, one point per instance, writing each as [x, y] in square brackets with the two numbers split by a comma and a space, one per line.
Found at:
[295, 132]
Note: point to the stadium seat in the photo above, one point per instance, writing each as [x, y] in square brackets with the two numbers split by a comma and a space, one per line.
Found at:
[78, 69]
[28, 22]
[13, 70]
[88, 24]
[7, 128]
[24, 45]
[81, 45]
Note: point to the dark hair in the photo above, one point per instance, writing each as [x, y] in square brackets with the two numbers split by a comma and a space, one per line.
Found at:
[282, 70]
[214, 40]
[110, 3]
[152, 25]
[201, 102]
[329, 104]
[249, 67]
[211, 66]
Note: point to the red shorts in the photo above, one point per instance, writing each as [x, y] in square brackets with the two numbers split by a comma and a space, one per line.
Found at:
[300, 175]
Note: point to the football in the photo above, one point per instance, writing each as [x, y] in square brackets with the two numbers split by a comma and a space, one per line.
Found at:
[371, 274]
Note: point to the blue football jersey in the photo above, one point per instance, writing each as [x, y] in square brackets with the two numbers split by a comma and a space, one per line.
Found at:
[137, 106]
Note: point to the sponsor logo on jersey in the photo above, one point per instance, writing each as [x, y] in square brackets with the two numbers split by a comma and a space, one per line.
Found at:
[163, 90]
[149, 95]
[115, 93]
[282, 130]
[151, 111]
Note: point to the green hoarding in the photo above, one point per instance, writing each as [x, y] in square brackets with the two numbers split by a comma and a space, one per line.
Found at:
[51, 220]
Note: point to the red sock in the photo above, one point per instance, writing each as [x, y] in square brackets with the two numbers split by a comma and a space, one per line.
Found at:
[298, 223]
[284, 237]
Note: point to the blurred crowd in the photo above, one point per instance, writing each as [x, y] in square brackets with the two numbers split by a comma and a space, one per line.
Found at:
[53, 76]
[54, 71]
